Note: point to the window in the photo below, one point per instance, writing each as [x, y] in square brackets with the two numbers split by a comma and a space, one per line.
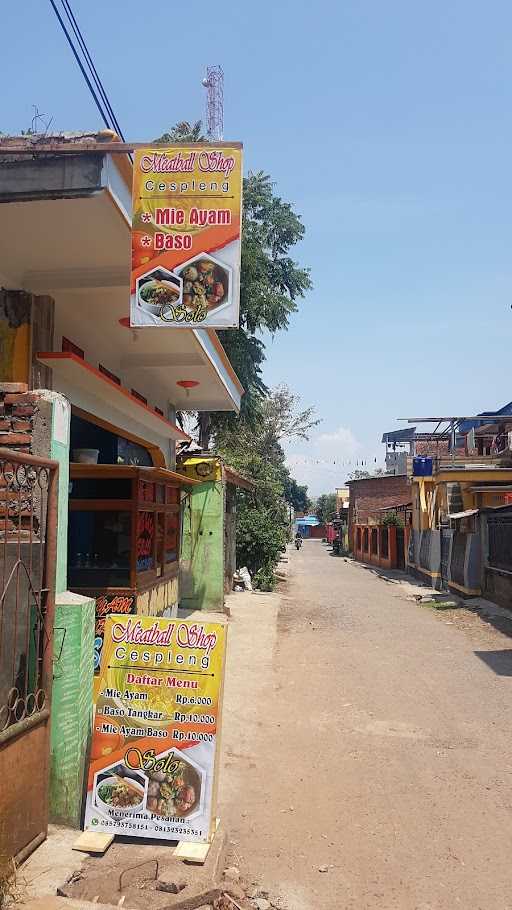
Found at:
[375, 541]
[99, 544]
[124, 527]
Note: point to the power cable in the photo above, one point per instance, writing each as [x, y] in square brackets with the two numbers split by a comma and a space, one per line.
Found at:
[80, 64]
[92, 69]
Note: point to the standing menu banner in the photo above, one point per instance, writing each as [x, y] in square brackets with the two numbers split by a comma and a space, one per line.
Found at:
[155, 741]
[186, 223]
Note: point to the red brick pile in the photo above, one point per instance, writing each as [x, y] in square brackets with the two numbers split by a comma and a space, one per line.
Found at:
[17, 409]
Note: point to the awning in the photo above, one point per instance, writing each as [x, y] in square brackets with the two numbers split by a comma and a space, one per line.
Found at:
[492, 488]
[116, 471]
[71, 371]
[466, 514]
[406, 435]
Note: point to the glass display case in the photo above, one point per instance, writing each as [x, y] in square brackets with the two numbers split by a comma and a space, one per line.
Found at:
[124, 527]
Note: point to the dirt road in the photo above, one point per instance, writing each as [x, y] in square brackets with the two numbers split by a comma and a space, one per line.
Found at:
[367, 735]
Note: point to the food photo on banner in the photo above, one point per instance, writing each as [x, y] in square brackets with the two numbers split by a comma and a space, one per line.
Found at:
[186, 226]
[155, 743]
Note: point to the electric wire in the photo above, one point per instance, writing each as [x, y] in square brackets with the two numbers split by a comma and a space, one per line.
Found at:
[102, 103]
[92, 68]
[80, 64]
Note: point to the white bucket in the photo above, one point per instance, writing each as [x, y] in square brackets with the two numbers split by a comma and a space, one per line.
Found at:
[86, 456]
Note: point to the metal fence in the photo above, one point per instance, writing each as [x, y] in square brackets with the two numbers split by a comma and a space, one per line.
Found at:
[500, 541]
[28, 529]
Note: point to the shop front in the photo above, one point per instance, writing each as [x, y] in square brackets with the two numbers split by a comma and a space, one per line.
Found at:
[124, 540]
[102, 399]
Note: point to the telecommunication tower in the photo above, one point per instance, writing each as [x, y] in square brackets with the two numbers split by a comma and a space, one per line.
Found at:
[214, 85]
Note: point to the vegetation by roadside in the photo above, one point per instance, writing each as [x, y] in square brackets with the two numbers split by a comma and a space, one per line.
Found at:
[271, 286]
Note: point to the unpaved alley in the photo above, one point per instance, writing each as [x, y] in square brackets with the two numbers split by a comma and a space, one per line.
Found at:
[367, 746]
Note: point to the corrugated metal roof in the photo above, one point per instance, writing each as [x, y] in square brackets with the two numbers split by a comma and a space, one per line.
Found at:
[406, 435]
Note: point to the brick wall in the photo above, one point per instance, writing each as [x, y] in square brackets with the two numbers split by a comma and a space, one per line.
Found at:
[432, 447]
[18, 408]
[377, 493]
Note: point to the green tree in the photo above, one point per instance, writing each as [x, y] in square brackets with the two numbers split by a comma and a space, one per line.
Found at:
[325, 508]
[271, 281]
[271, 284]
[183, 132]
[296, 495]
[263, 523]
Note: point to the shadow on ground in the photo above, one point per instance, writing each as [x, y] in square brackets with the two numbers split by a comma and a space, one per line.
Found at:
[498, 619]
[500, 662]
[392, 576]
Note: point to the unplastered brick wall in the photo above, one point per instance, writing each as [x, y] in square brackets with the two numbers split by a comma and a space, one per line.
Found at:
[25, 418]
[374, 493]
[18, 408]
[432, 447]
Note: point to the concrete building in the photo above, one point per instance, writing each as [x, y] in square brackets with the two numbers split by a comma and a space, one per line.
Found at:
[77, 385]
[446, 540]
[372, 501]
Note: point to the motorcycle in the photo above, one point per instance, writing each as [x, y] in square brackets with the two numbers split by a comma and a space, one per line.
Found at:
[298, 543]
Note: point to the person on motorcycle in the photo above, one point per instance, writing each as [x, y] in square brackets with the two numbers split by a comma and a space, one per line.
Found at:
[298, 540]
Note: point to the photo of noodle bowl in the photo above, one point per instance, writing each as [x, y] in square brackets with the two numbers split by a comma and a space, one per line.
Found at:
[116, 793]
[158, 291]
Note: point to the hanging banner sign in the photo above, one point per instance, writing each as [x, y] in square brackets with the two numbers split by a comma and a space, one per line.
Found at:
[186, 222]
[155, 741]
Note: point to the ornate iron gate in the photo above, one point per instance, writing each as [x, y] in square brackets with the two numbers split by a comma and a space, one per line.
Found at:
[28, 528]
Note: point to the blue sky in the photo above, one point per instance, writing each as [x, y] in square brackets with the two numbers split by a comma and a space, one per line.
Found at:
[388, 125]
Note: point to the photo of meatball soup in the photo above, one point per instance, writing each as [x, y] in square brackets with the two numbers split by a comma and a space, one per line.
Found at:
[173, 793]
[205, 284]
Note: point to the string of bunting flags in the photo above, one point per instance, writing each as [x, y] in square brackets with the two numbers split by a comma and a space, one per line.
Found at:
[345, 463]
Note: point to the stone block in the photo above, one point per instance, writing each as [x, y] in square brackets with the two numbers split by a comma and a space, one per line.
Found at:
[10, 387]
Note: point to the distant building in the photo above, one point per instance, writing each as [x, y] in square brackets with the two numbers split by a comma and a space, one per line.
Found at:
[342, 500]
[310, 526]
[372, 501]
[403, 445]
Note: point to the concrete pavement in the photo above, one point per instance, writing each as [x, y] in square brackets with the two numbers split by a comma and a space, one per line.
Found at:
[367, 745]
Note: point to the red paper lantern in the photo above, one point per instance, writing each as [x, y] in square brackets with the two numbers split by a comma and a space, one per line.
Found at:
[187, 384]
